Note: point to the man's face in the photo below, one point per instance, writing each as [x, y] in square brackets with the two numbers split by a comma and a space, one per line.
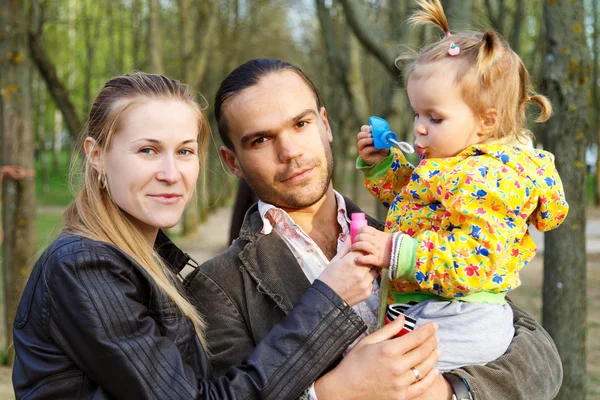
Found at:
[282, 142]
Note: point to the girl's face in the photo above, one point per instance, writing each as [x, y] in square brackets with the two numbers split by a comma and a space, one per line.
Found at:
[444, 124]
[152, 163]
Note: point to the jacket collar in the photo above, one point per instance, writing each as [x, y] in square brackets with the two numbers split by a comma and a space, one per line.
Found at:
[179, 261]
[272, 265]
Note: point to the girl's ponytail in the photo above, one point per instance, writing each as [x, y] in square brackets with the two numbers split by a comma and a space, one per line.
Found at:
[544, 105]
[490, 52]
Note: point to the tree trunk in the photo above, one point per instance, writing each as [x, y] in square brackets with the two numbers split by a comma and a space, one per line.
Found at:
[459, 13]
[567, 73]
[18, 189]
[155, 39]
[596, 102]
[57, 90]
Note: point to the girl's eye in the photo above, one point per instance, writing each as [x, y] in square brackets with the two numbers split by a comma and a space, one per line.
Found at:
[416, 114]
[436, 120]
[147, 150]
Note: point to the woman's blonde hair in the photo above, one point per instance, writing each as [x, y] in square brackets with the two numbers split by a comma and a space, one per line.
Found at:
[489, 73]
[94, 214]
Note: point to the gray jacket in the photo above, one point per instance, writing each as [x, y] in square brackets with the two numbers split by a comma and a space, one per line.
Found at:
[248, 289]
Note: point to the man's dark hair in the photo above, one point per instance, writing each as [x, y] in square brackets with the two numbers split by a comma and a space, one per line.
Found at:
[247, 75]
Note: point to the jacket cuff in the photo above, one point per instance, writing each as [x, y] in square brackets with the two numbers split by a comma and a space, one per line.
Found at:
[341, 305]
[406, 259]
[376, 170]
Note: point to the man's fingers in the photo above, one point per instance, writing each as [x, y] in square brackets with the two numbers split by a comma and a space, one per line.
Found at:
[361, 245]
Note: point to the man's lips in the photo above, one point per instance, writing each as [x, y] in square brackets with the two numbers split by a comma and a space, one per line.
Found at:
[298, 175]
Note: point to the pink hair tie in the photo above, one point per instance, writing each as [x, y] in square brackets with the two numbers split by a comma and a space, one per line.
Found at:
[447, 33]
[454, 50]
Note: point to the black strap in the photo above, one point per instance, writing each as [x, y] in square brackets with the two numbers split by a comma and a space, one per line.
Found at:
[459, 386]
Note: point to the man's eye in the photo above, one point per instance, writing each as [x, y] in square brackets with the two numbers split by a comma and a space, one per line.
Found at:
[301, 124]
[258, 141]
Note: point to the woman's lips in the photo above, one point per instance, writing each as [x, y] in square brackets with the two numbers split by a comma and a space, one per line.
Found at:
[165, 198]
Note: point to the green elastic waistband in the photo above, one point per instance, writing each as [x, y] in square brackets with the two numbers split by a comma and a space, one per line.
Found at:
[481, 297]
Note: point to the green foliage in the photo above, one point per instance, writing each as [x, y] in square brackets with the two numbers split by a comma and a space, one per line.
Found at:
[56, 192]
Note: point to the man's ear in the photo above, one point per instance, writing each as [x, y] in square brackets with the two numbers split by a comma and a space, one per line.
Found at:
[489, 122]
[94, 154]
[323, 113]
[230, 158]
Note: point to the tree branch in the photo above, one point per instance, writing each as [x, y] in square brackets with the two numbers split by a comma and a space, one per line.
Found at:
[357, 19]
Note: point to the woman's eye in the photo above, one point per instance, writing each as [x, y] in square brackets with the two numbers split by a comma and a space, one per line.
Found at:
[185, 152]
[147, 150]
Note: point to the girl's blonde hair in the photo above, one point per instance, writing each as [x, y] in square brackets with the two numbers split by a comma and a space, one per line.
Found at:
[489, 73]
[94, 214]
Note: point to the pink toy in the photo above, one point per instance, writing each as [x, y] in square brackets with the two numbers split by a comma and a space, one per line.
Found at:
[358, 220]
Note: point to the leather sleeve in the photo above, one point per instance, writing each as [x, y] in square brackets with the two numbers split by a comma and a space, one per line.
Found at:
[98, 319]
[530, 369]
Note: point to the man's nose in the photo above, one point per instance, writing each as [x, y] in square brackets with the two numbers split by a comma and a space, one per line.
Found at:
[289, 147]
[169, 170]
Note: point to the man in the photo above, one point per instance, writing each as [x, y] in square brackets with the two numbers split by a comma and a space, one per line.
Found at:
[277, 137]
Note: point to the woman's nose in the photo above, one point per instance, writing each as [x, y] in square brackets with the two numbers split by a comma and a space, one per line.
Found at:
[169, 172]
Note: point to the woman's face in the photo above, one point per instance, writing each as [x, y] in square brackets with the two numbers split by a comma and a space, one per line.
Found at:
[152, 163]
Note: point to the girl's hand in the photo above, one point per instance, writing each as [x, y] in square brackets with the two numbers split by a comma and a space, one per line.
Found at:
[369, 154]
[375, 246]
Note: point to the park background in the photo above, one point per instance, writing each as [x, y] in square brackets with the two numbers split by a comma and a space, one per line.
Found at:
[56, 54]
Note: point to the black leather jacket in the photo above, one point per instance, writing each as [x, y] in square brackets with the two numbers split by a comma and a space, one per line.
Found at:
[91, 325]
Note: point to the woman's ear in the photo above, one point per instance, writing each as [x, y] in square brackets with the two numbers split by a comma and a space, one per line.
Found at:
[93, 152]
[489, 122]
[230, 159]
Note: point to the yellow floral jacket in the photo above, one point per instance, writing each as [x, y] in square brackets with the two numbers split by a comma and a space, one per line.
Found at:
[467, 216]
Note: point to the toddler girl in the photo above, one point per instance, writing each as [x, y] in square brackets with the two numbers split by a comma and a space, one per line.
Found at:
[457, 227]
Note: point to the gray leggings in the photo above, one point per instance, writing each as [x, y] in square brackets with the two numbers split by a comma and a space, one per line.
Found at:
[470, 333]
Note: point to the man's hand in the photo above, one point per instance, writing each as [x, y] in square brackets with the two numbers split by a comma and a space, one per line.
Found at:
[369, 154]
[352, 282]
[379, 366]
[375, 246]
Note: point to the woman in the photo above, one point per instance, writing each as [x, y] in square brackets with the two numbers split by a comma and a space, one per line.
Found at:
[104, 314]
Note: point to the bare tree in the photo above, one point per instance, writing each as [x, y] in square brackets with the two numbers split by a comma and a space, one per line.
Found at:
[46, 67]
[564, 293]
[18, 185]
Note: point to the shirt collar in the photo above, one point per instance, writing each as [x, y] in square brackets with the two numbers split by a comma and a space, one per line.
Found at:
[342, 214]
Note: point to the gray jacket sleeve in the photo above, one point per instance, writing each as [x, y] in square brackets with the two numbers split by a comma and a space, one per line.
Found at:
[530, 369]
